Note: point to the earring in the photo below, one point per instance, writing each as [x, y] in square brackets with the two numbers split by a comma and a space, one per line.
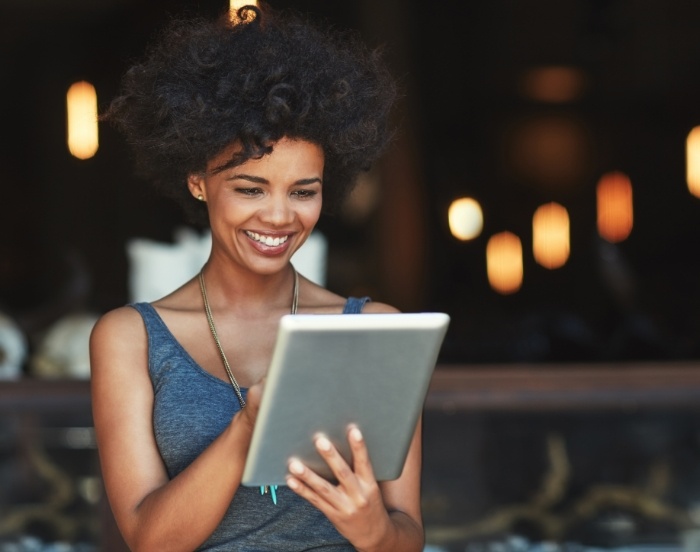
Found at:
[200, 197]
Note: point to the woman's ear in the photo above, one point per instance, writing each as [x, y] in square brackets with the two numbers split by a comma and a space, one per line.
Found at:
[195, 183]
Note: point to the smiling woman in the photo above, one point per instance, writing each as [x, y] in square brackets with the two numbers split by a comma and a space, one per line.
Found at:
[267, 207]
[255, 124]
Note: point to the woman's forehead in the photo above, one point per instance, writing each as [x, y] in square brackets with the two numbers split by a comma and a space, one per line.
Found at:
[296, 150]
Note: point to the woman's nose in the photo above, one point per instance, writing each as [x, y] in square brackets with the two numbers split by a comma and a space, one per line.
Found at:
[277, 211]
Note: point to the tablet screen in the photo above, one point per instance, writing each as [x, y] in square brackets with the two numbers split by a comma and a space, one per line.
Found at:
[330, 371]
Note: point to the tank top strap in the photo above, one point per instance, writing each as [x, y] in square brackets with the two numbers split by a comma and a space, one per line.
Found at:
[150, 317]
[161, 342]
[354, 305]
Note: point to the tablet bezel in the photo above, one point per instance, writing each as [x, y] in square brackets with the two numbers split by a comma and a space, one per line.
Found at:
[331, 363]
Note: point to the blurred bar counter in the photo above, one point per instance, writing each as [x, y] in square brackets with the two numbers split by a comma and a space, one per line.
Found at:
[565, 386]
[469, 387]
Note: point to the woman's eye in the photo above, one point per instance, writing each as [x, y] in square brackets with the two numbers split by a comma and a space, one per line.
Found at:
[249, 191]
[303, 194]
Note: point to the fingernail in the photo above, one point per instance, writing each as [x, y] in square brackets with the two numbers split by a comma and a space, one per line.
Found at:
[356, 434]
[296, 467]
[323, 444]
[292, 483]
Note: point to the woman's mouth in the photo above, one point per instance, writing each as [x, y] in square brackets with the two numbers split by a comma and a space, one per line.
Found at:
[269, 241]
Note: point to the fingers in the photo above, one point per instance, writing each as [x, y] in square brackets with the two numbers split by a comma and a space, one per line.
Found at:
[340, 468]
[355, 503]
[316, 489]
[360, 455]
[311, 486]
[352, 482]
[255, 392]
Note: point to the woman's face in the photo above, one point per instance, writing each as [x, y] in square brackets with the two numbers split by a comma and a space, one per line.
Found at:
[262, 211]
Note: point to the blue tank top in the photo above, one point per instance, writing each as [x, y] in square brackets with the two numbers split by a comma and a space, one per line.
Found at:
[191, 408]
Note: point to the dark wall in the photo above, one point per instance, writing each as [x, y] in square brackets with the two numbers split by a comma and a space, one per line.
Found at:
[64, 222]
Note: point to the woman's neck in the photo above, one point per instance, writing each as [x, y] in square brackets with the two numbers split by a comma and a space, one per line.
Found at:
[237, 289]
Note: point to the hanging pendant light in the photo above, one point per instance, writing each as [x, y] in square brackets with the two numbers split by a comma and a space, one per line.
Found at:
[81, 114]
[550, 235]
[235, 5]
[614, 205]
[504, 262]
[692, 153]
[465, 218]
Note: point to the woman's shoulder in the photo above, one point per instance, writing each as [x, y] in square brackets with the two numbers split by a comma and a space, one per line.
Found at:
[118, 343]
[323, 301]
[121, 323]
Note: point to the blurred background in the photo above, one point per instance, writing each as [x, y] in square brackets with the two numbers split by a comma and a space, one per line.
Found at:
[516, 105]
[542, 190]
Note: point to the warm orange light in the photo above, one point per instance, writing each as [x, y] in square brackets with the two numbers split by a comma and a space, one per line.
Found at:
[465, 218]
[555, 83]
[615, 214]
[550, 235]
[549, 151]
[692, 152]
[504, 262]
[81, 114]
[235, 5]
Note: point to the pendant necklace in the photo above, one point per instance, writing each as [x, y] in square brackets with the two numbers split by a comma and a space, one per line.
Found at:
[237, 388]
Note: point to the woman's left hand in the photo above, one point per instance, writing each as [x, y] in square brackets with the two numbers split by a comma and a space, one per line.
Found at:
[354, 505]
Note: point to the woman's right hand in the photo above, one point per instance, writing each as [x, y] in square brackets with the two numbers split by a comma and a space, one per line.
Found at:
[249, 413]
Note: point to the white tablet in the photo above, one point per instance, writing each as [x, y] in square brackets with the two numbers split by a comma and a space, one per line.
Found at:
[332, 370]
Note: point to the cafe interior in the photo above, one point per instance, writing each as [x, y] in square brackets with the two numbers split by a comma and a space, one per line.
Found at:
[542, 188]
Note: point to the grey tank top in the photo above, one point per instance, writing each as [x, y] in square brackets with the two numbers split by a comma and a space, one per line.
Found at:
[191, 408]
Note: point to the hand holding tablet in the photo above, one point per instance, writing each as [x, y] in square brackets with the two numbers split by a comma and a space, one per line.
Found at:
[329, 372]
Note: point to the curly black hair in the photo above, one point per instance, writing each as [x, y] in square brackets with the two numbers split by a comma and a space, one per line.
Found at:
[254, 78]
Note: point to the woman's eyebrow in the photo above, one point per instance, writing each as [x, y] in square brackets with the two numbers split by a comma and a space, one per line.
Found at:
[249, 178]
[261, 180]
[307, 181]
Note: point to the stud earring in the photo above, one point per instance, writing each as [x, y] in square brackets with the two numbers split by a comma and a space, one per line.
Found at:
[200, 197]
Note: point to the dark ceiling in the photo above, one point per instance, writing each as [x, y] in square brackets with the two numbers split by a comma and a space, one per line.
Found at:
[463, 66]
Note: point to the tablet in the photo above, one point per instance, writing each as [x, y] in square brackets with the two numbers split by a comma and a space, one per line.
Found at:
[332, 370]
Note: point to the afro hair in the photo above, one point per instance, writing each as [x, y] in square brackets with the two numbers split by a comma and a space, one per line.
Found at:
[253, 79]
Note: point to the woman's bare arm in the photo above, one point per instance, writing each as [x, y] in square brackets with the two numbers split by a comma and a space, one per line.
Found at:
[153, 512]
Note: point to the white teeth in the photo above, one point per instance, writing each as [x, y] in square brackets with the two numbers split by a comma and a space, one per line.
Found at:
[267, 240]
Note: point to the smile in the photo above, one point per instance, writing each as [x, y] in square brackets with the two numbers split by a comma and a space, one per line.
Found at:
[267, 240]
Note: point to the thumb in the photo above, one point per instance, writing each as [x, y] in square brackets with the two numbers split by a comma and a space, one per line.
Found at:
[250, 412]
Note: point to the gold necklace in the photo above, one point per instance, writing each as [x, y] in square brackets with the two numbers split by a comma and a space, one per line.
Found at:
[237, 388]
[210, 319]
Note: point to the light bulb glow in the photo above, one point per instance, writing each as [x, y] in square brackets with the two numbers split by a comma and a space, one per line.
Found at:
[81, 114]
[554, 83]
[692, 152]
[465, 218]
[614, 206]
[504, 262]
[550, 235]
[235, 5]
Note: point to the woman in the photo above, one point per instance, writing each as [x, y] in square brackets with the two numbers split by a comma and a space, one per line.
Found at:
[253, 125]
